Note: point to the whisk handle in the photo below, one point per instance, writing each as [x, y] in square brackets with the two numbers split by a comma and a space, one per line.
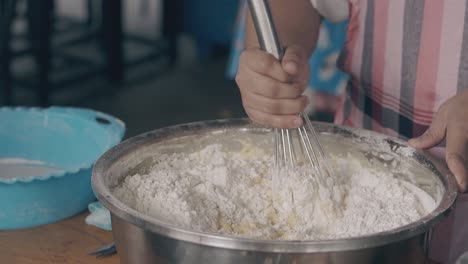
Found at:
[265, 28]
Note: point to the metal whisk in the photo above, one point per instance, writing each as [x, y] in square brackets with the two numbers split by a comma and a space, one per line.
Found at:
[287, 146]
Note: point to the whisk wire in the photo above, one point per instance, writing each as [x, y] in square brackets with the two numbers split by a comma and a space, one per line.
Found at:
[310, 151]
[290, 149]
[283, 146]
[324, 159]
[276, 148]
[284, 143]
[314, 135]
[319, 161]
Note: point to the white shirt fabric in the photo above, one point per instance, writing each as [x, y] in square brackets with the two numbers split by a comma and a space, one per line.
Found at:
[333, 10]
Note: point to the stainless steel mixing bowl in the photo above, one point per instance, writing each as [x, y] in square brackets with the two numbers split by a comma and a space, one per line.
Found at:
[142, 239]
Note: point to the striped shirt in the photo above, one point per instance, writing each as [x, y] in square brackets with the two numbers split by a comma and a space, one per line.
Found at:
[406, 58]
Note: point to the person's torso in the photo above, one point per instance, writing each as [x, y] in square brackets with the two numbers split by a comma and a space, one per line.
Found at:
[404, 58]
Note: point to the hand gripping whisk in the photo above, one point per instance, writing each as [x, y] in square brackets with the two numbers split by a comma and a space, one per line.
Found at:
[290, 150]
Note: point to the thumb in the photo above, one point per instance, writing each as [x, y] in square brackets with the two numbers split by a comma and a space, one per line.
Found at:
[433, 135]
[456, 155]
[294, 58]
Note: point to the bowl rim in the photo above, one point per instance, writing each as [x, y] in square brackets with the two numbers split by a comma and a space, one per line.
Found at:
[147, 223]
[82, 113]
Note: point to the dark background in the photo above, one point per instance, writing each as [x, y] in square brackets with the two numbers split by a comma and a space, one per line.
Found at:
[151, 63]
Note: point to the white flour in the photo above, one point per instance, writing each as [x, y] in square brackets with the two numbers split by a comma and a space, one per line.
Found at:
[234, 193]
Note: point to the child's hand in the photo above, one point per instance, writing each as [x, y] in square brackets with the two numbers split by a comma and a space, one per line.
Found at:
[451, 121]
[272, 91]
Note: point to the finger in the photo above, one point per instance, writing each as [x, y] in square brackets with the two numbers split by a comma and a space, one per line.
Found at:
[303, 76]
[433, 135]
[277, 121]
[276, 106]
[326, 102]
[456, 154]
[268, 87]
[264, 63]
[295, 58]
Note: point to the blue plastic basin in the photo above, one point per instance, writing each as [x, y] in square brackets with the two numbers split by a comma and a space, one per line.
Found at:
[46, 158]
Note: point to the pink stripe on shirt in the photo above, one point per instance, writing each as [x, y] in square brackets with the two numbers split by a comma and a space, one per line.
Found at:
[354, 45]
[356, 61]
[378, 52]
[393, 51]
[379, 43]
[351, 32]
[428, 61]
[450, 50]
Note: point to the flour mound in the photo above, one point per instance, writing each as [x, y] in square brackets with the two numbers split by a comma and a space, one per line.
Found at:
[239, 193]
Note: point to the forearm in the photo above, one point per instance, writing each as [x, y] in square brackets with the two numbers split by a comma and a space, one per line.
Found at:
[296, 21]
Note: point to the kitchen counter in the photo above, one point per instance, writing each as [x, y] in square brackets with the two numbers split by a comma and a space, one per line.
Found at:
[65, 242]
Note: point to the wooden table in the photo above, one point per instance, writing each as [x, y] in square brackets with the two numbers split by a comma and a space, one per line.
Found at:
[65, 242]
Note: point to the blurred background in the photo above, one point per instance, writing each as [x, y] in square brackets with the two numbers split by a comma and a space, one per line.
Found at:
[151, 63]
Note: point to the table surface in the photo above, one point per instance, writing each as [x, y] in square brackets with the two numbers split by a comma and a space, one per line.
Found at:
[65, 242]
